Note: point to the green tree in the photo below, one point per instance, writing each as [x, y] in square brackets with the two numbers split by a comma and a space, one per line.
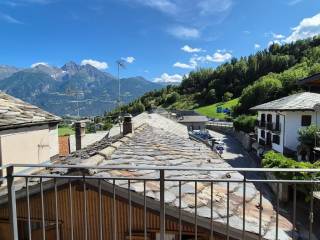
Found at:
[172, 98]
[307, 135]
[227, 96]
[211, 96]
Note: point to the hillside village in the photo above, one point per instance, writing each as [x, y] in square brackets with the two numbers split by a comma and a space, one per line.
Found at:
[169, 172]
[225, 152]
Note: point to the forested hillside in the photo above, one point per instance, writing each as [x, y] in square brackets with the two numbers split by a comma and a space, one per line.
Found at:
[264, 76]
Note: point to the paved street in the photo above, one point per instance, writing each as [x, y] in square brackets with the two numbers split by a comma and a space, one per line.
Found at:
[234, 153]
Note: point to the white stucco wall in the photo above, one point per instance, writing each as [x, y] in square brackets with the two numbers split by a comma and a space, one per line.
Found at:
[293, 124]
[36, 144]
[54, 140]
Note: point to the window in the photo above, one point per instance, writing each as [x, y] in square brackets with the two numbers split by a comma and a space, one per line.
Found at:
[263, 117]
[276, 139]
[269, 118]
[305, 120]
[263, 134]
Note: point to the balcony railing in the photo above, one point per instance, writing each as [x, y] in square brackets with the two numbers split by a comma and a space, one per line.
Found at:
[275, 127]
[166, 176]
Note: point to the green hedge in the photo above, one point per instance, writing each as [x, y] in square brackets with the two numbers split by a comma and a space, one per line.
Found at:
[245, 123]
[276, 160]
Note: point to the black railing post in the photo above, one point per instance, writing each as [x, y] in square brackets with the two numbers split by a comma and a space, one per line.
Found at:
[162, 206]
[12, 204]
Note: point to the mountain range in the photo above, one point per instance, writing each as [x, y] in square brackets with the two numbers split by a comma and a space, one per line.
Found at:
[72, 88]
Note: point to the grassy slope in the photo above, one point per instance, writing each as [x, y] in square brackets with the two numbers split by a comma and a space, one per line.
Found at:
[62, 131]
[211, 110]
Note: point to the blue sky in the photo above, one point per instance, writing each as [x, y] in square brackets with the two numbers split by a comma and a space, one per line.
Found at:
[161, 39]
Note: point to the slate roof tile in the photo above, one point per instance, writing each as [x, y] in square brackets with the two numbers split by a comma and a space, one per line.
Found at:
[15, 112]
[299, 101]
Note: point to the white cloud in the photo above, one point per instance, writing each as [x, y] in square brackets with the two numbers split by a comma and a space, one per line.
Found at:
[182, 9]
[246, 32]
[9, 19]
[184, 32]
[274, 35]
[257, 46]
[166, 6]
[308, 27]
[165, 77]
[191, 65]
[278, 36]
[218, 57]
[198, 14]
[97, 64]
[184, 65]
[188, 49]
[209, 7]
[129, 59]
[274, 42]
[39, 63]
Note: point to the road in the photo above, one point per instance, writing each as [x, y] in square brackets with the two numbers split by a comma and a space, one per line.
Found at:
[234, 153]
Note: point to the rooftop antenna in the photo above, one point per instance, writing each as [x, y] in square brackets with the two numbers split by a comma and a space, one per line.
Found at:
[120, 64]
[77, 93]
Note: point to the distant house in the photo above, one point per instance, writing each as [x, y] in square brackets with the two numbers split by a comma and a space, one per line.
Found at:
[312, 82]
[28, 134]
[280, 120]
[194, 122]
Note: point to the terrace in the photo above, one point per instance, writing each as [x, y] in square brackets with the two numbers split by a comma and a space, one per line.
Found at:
[141, 205]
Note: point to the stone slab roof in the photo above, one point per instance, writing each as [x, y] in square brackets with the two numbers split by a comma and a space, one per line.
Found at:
[188, 119]
[297, 102]
[15, 112]
[162, 142]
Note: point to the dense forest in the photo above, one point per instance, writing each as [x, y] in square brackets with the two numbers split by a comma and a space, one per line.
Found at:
[258, 78]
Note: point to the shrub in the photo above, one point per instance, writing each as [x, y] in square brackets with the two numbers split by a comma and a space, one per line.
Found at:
[107, 125]
[307, 135]
[172, 98]
[227, 96]
[245, 123]
[277, 160]
[136, 108]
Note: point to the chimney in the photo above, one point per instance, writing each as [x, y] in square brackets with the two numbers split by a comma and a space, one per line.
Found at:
[80, 128]
[127, 124]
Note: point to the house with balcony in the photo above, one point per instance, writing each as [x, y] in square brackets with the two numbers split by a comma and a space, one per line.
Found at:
[153, 183]
[28, 134]
[280, 120]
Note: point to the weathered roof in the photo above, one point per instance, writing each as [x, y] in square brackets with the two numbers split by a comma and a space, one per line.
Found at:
[300, 101]
[161, 142]
[188, 119]
[15, 112]
[313, 80]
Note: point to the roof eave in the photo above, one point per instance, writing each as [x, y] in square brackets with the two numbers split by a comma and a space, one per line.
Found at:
[281, 109]
[29, 124]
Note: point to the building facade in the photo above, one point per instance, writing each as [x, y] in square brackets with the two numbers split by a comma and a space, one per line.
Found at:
[194, 122]
[28, 134]
[279, 121]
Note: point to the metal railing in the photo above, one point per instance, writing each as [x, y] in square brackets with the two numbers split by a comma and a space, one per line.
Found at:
[272, 126]
[249, 176]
